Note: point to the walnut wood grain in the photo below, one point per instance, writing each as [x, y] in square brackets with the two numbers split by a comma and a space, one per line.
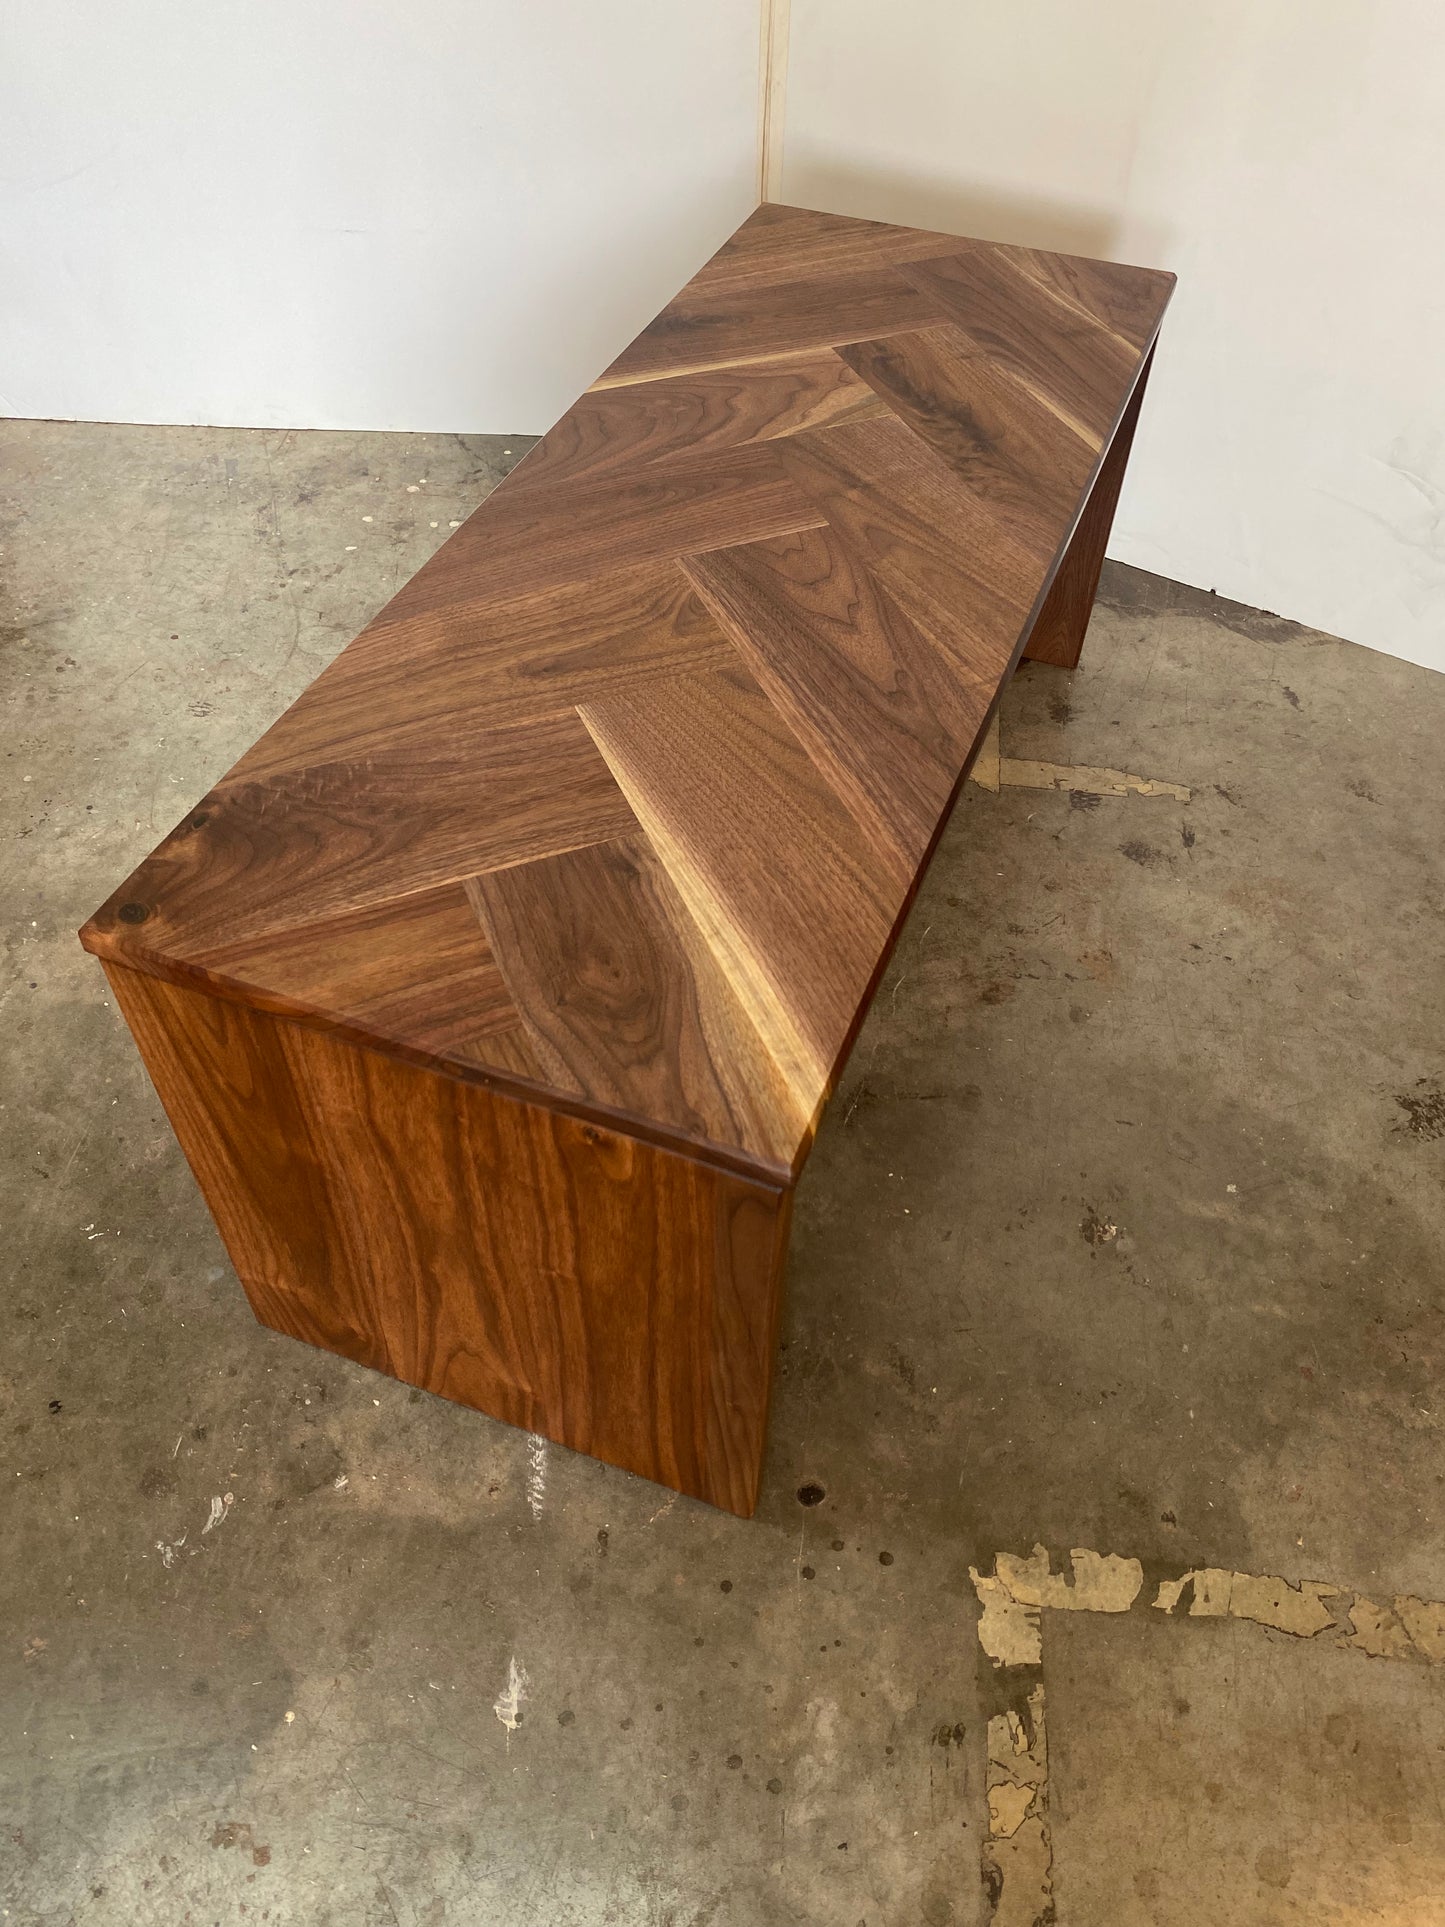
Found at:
[1058, 632]
[257, 857]
[874, 701]
[1014, 452]
[1072, 364]
[624, 1002]
[881, 490]
[722, 329]
[543, 921]
[611, 1296]
[792, 898]
[502, 662]
[655, 421]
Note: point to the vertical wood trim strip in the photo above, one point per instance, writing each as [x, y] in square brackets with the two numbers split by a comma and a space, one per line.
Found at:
[772, 96]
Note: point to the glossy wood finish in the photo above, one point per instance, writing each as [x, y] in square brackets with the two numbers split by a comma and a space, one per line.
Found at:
[612, 1296]
[1058, 632]
[607, 822]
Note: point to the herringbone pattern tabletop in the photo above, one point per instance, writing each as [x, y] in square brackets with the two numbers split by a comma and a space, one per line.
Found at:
[622, 798]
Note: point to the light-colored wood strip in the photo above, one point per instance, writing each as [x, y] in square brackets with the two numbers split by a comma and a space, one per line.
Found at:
[407, 677]
[730, 329]
[680, 417]
[875, 703]
[1013, 453]
[792, 898]
[624, 1003]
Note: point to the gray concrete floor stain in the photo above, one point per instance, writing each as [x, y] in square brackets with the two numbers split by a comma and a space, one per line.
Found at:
[1124, 1231]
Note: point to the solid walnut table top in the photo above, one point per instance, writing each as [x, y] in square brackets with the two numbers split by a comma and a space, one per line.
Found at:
[620, 802]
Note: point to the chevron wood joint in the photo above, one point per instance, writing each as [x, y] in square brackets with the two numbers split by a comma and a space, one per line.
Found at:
[495, 994]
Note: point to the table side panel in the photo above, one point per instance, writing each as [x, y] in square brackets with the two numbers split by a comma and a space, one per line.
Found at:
[587, 1286]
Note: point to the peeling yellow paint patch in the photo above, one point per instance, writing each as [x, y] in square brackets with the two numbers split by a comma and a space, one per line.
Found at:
[1102, 1582]
[1016, 773]
[985, 764]
[1022, 1870]
[1269, 1601]
[993, 770]
[1008, 1631]
[1376, 1630]
[1275, 1602]
[1424, 1621]
[1008, 1807]
[1017, 1857]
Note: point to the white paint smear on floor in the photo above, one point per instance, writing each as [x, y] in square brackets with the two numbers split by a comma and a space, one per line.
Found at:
[536, 1473]
[508, 1704]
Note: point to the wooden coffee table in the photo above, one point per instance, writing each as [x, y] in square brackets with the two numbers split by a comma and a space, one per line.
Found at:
[495, 994]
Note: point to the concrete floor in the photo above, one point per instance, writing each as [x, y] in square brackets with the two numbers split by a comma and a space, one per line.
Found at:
[1126, 1232]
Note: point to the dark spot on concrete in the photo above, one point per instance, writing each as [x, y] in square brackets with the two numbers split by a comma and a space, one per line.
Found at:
[678, 1803]
[735, 1760]
[1228, 795]
[602, 1540]
[1291, 697]
[775, 1786]
[238, 1833]
[903, 1365]
[1137, 852]
[1186, 836]
[1274, 1865]
[1168, 1519]
[997, 992]
[1096, 1230]
[885, 1558]
[1084, 800]
[1424, 1109]
[811, 1493]
[1060, 708]
[1362, 789]
[566, 1716]
[947, 1735]
[55, 1405]
[809, 1573]
[837, 1545]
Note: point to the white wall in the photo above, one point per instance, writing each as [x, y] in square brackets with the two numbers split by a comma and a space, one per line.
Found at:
[443, 215]
[1287, 159]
